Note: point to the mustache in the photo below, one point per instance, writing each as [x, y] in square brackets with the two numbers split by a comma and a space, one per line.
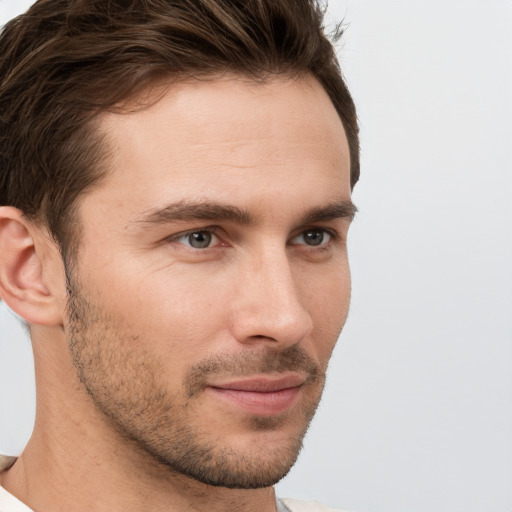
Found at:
[266, 360]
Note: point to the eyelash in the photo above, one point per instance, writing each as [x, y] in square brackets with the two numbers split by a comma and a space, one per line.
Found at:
[332, 234]
[210, 231]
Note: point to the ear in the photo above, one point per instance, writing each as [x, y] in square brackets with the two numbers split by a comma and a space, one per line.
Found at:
[32, 279]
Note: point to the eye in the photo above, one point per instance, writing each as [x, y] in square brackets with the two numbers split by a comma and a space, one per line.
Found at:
[198, 239]
[312, 237]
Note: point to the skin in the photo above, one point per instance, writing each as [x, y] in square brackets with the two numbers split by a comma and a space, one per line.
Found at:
[130, 416]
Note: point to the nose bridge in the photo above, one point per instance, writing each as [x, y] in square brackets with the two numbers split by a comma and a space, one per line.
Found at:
[269, 303]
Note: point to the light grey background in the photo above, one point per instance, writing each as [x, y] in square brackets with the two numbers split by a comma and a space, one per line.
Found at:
[417, 415]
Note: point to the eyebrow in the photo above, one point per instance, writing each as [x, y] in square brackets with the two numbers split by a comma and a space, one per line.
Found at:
[342, 209]
[205, 210]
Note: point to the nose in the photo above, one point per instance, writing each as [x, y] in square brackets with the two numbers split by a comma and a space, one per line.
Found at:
[268, 306]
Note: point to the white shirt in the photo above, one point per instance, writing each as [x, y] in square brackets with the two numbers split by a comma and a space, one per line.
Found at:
[8, 503]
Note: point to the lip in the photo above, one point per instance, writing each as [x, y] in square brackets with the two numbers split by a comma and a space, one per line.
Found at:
[261, 395]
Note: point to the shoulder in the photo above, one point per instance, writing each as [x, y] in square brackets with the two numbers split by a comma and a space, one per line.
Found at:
[306, 506]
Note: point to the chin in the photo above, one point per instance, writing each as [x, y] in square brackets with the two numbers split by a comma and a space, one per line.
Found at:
[249, 461]
[235, 471]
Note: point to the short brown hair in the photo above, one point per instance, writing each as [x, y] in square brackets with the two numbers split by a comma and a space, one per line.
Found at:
[65, 61]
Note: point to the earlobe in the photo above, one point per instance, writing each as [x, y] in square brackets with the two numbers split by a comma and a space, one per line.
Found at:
[22, 285]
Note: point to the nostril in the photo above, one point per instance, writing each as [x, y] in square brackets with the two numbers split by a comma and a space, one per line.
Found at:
[263, 337]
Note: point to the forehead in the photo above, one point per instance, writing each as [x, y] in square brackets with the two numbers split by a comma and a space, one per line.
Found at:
[227, 136]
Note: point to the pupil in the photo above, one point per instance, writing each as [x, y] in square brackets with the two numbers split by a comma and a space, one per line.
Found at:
[314, 237]
[200, 240]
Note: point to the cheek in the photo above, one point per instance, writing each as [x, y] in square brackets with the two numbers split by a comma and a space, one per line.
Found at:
[325, 291]
[179, 315]
[328, 299]
[168, 317]
[154, 294]
[193, 295]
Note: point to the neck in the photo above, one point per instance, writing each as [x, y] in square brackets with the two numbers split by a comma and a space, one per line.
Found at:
[76, 460]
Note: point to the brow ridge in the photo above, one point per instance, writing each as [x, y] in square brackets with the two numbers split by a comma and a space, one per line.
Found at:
[212, 211]
[203, 210]
[343, 208]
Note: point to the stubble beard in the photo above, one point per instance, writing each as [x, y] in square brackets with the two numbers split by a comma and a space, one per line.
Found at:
[127, 384]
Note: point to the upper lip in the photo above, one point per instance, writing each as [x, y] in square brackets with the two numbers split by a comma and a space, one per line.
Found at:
[263, 383]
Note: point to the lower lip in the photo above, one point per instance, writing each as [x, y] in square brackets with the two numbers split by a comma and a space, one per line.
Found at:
[260, 403]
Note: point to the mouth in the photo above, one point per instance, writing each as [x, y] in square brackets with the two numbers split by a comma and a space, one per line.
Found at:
[261, 395]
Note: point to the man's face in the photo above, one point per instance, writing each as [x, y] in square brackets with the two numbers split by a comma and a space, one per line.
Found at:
[212, 279]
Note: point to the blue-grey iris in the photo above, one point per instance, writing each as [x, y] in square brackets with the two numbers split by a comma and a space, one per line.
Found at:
[314, 236]
[200, 239]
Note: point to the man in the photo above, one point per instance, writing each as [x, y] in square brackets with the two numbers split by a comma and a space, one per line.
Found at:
[175, 182]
